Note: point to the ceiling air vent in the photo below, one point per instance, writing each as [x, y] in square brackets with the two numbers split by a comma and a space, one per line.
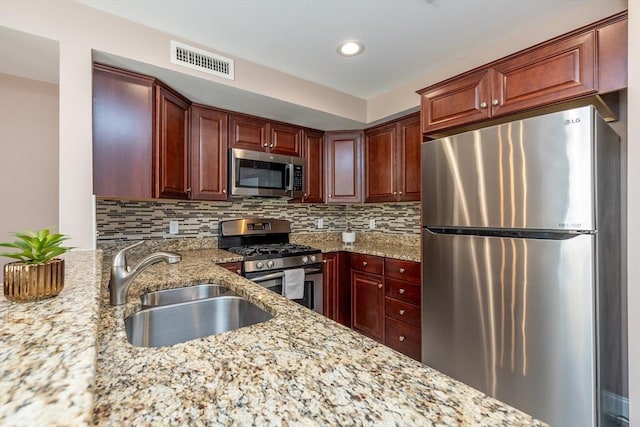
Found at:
[201, 60]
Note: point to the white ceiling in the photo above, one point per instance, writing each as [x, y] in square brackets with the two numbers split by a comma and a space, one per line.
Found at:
[404, 39]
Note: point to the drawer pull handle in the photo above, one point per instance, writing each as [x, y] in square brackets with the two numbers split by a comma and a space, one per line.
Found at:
[401, 338]
[401, 270]
[401, 312]
[364, 263]
[401, 291]
[380, 285]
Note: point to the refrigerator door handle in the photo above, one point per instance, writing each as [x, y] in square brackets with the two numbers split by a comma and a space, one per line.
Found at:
[510, 233]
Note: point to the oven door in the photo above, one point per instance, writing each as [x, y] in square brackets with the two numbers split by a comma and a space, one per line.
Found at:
[312, 298]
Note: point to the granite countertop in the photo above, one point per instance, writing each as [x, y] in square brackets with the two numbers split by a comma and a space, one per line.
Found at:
[299, 368]
[48, 350]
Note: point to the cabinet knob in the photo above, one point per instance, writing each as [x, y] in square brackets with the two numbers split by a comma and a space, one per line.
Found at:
[401, 291]
[380, 285]
[188, 190]
[401, 338]
[364, 263]
[238, 271]
[324, 261]
[395, 193]
[400, 192]
[271, 145]
[401, 270]
[495, 102]
[483, 105]
[265, 144]
[330, 195]
[224, 191]
[401, 312]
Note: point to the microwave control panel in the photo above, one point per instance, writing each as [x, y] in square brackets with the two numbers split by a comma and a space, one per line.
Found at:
[297, 178]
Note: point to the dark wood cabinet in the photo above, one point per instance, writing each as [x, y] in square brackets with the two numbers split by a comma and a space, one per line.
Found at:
[171, 145]
[367, 301]
[343, 167]
[392, 161]
[122, 134]
[209, 132]
[257, 134]
[235, 267]
[336, 288]
[543, 75]
[583, 63]
[403, 307]
[612, 56]
[313, 154]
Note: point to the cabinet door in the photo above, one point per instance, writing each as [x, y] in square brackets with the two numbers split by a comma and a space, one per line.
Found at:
[380, 164]
[612, 57]
[122, 161]
[456, 102]
[285, 139]
[172, 145]
[367, 304]
[545, 75]
[313, 154]
[343, 180]
[247, 132]
[330, 281]
[408, 176]
[208, 154]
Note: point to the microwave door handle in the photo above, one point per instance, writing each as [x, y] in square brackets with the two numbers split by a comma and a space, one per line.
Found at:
[288, 176]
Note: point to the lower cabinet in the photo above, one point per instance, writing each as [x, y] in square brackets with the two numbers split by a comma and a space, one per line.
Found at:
[235, 267]
[386, 301]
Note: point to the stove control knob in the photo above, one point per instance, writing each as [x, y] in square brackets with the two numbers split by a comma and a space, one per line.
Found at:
[269, 264]
[313, 258]
[305, 259]
[259, 265]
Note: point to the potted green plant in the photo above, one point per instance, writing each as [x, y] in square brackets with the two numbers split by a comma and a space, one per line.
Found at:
[37, 274]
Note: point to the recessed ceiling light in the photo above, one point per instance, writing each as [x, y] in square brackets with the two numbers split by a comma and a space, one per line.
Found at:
[350, 48]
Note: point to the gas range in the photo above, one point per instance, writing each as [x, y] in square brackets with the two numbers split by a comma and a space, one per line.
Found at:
[264, 244]
[271, 261]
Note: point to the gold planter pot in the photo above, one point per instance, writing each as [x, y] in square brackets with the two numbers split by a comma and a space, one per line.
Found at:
[31, 282]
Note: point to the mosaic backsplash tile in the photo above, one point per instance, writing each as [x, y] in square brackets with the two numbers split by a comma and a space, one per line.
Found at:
[127, 220]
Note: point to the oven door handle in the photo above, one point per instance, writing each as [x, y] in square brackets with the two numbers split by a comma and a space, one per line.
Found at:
[280, 274]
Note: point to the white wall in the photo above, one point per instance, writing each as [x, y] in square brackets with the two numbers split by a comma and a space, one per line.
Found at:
[29, 156]
[633, 212]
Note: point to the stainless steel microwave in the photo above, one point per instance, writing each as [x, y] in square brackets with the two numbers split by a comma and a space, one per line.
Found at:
[257, 173]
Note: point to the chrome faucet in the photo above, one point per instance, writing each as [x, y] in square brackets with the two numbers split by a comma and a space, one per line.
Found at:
[122, 275]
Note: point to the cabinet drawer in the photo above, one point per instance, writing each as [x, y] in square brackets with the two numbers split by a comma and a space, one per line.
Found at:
[403, 270]
[404, 291]
[369, 263]
[402, 337]
[404, 311]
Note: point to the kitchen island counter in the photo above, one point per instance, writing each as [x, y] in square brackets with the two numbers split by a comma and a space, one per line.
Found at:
[298, 368]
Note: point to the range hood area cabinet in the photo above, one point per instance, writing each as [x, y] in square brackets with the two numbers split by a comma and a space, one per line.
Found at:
[257, 134]
[584, 63]
[392, 161]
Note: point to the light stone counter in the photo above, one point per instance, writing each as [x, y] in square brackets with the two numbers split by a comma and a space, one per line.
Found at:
[48, 350]
[298, 368]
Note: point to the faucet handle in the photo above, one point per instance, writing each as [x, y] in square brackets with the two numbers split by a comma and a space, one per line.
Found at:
[120, 259]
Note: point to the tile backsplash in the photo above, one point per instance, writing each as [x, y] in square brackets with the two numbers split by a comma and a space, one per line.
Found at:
[124, 220]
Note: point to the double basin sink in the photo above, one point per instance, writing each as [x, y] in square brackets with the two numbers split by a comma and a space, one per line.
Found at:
[177, 315]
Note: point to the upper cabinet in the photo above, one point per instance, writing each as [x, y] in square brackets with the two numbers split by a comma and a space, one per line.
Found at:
[343, 167]
[122, 134]
[254, 133]
[172, 145]
[209, 132]
[313, 154]
[585, 62]
[392, 161]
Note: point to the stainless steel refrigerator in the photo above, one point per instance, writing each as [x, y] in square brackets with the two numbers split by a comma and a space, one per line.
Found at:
[521, 264]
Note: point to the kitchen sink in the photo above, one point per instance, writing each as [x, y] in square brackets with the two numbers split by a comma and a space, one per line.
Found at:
[188, 293]
[175, 323]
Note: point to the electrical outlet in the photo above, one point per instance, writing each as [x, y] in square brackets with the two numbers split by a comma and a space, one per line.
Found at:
[173, 227]
[320, 223]
[372, 223]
